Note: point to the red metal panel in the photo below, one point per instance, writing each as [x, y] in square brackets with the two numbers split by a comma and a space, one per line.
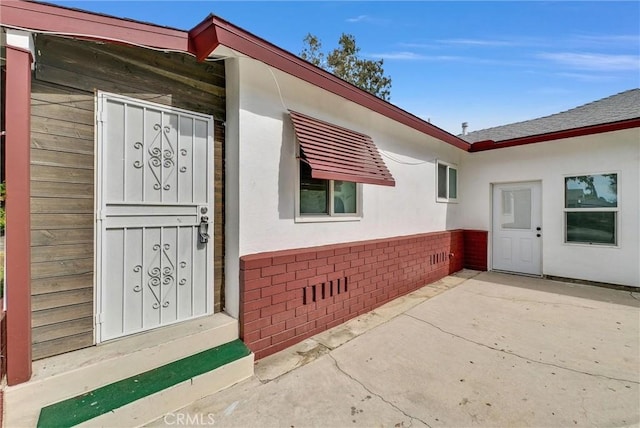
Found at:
[203, 39]
[336, 153]
[18, 239]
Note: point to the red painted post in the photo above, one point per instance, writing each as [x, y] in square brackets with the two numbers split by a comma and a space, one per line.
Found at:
[18, 239]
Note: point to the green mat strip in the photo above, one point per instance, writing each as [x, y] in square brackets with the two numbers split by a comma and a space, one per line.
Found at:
[76, 410]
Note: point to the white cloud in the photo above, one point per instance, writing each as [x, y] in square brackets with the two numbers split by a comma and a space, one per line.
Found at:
[412, 56]
[477, 42]
[359, 18]
[409, 56]
[368, 19]
[593, 61]
[584, 77]
[549, 90]
[573, 41]
[417, 45]
[610, 39]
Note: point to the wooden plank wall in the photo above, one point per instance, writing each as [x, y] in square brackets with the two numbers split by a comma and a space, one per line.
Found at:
[68, 72]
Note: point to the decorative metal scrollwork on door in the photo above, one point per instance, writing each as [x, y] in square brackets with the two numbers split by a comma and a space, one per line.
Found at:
[183, 265]
[138, 287]
[160, 276]
[162, 159]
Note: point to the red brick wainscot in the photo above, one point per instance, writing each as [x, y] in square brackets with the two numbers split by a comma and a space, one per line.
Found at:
[288, 296]
[475, 249]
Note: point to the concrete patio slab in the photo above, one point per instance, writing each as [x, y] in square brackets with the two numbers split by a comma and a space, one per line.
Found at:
[586, 334]
[335, 400]
[495, 350]
[276, 365]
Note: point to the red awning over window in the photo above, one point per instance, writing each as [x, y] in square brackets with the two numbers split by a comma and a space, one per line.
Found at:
[336, 153]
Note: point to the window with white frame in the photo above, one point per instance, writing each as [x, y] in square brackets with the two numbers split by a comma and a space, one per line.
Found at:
[591, 209]
[446, 182]
[333, 163]
[330, 198]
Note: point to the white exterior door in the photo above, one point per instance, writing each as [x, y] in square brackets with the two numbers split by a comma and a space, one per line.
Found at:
[154, 195]
[517, 228]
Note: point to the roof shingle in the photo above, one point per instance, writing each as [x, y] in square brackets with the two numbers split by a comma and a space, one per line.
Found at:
[622, 106]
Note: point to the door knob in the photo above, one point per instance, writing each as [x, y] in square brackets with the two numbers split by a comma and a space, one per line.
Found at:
[538, 235]
[203, 229]
[538, 228]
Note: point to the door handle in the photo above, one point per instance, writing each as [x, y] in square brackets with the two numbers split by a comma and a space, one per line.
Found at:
[203, 229]
[538, 228]
[538, 235]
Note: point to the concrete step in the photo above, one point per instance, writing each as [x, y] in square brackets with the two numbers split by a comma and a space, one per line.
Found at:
[167, 401]
[69, 375]
[150, 395]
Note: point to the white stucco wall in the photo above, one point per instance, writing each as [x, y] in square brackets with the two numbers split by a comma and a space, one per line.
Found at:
[231, 224]
[550, 162]
[267, 173]
[261, 181]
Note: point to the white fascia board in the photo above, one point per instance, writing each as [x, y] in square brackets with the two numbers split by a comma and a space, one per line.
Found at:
[22, 40]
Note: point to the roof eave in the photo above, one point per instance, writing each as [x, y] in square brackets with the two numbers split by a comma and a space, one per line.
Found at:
[233, 37]
[203, 38]
[87, 25]
[558, 135]
[201, 41]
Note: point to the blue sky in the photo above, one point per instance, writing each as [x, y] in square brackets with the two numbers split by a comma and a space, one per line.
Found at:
[486, 63]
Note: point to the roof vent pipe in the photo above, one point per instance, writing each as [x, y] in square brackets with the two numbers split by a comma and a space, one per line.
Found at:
[465, 125]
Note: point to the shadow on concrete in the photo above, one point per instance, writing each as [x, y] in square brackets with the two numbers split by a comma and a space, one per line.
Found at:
[589, 292]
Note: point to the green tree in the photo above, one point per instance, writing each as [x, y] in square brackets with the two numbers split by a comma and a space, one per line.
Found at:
[345, 63]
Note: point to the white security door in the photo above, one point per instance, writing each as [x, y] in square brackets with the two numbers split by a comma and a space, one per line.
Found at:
[517, 228]
[155, 195]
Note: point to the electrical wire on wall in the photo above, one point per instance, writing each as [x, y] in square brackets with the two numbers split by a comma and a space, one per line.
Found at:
[221, 58]
[388, 156]
[284, 106]
[382, 152]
